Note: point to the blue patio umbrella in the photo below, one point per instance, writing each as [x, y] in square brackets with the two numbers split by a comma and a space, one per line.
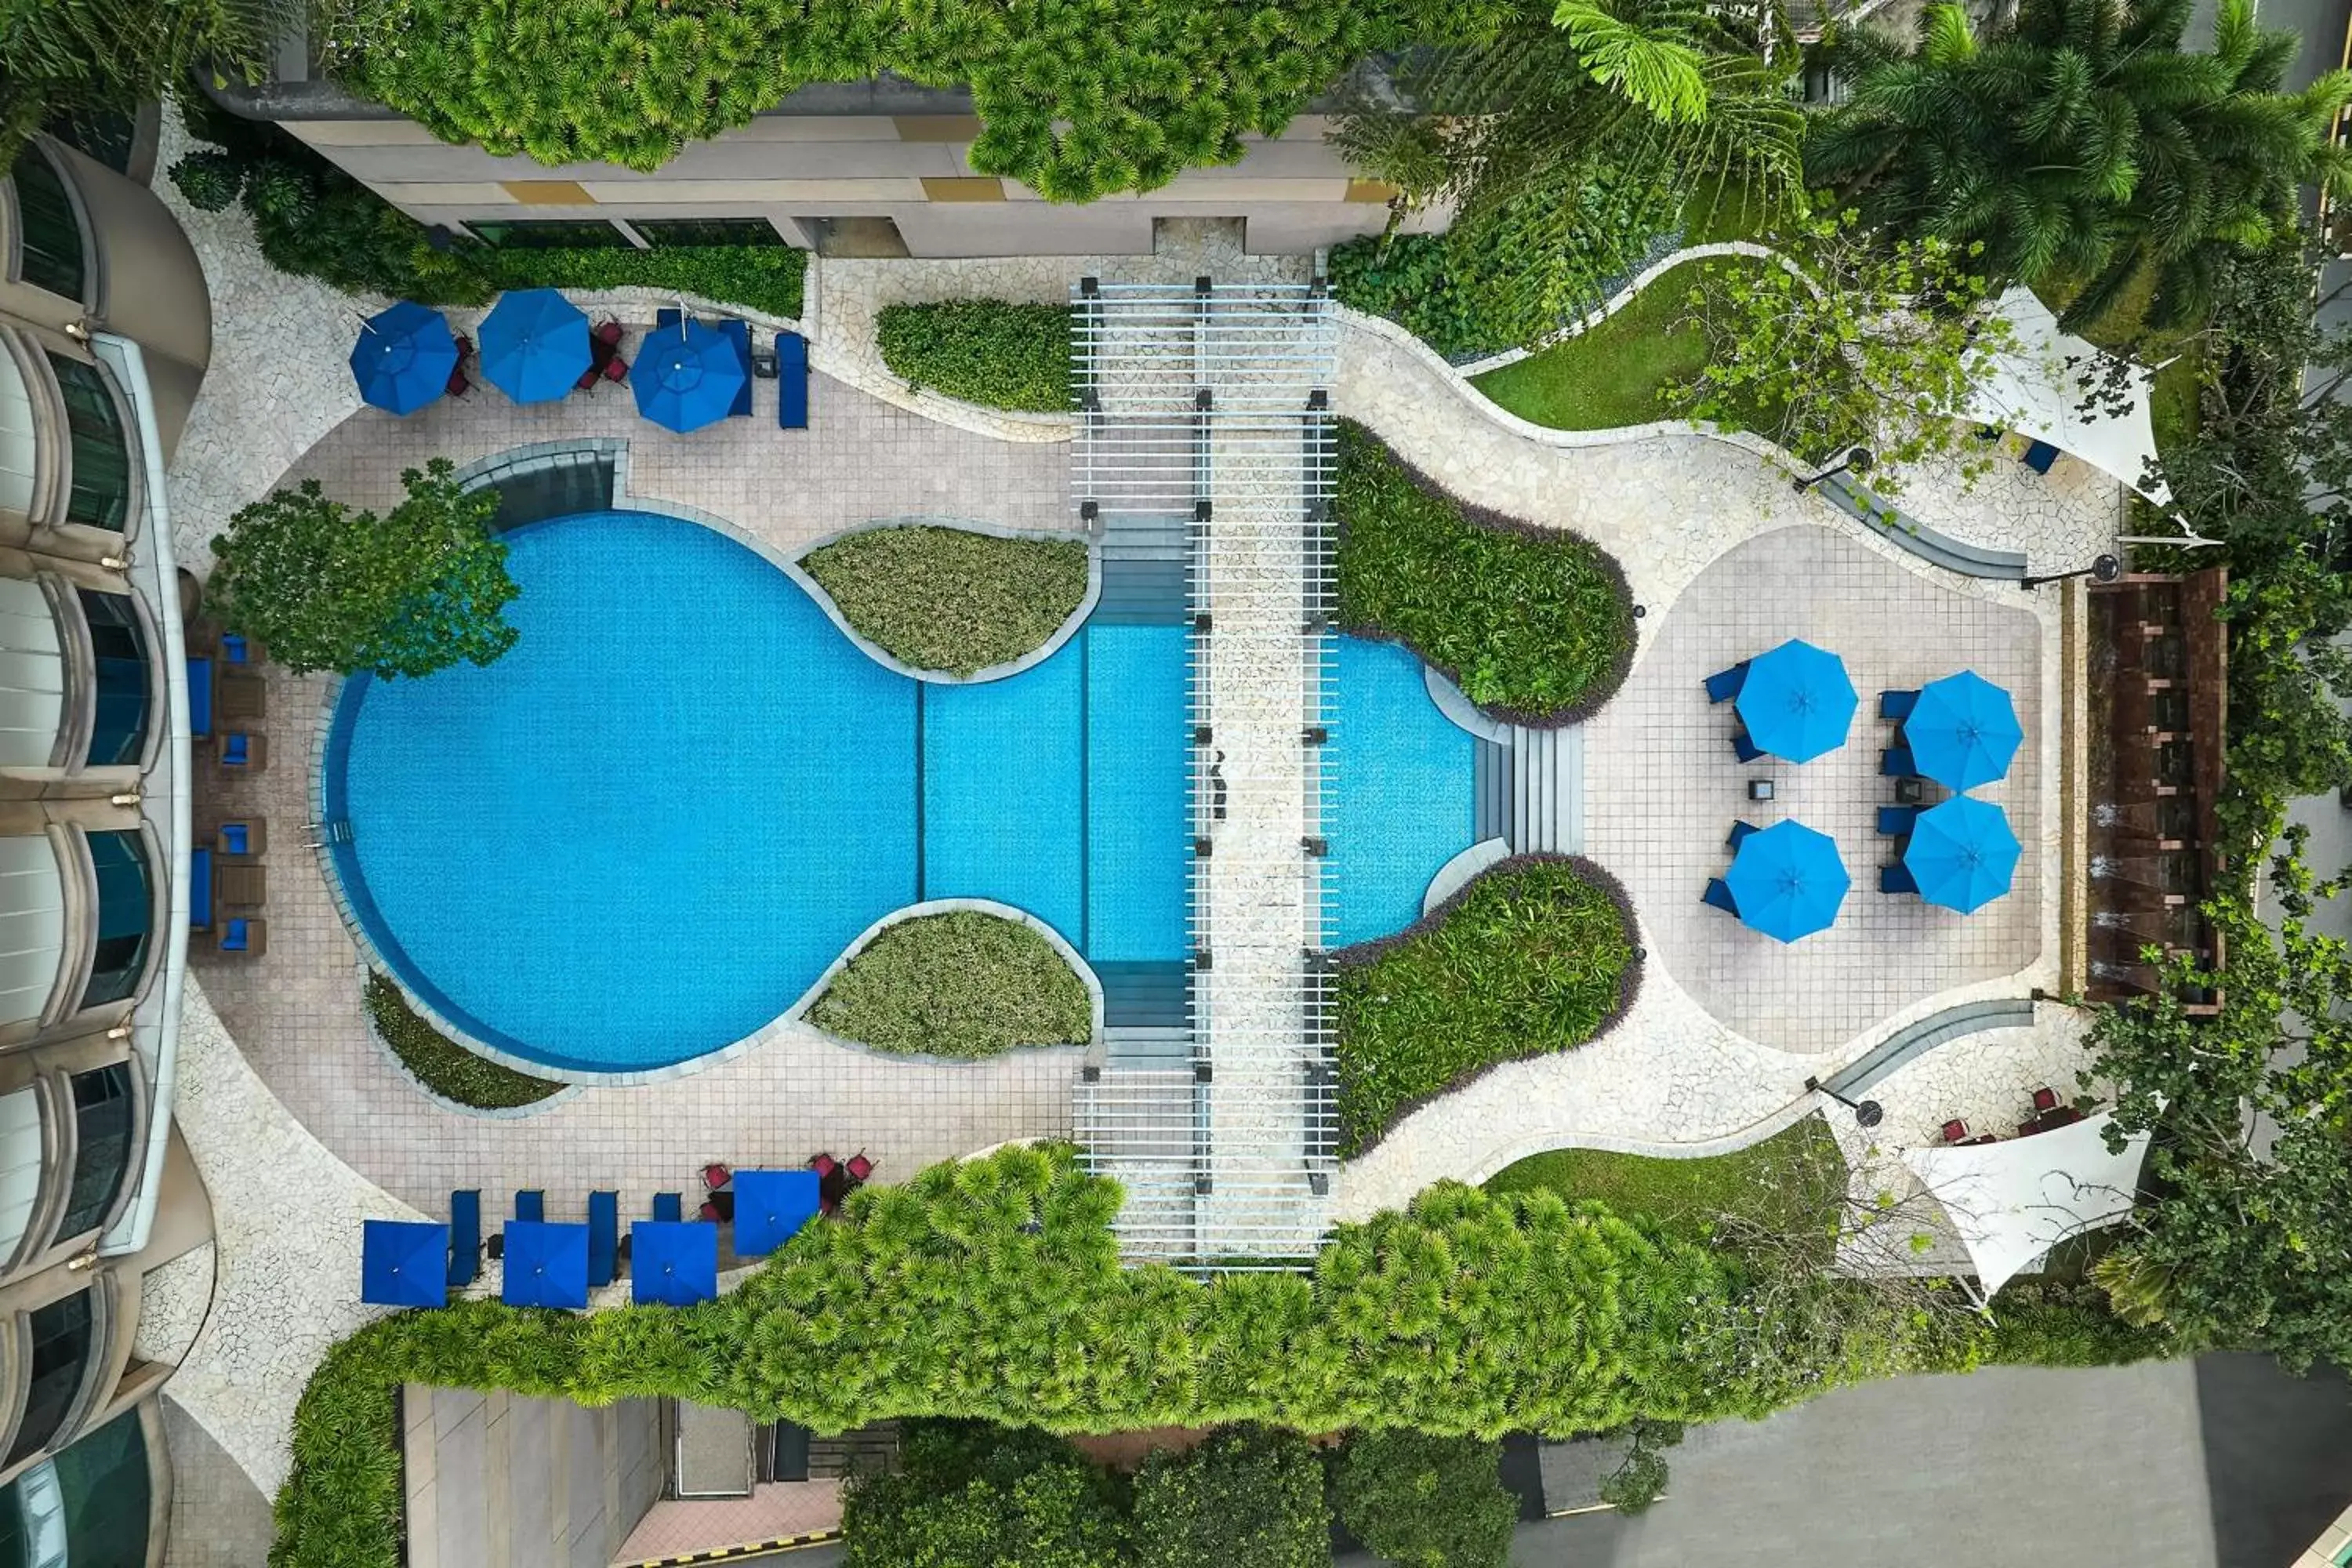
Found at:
[687, 376]
[1963, 730]
[769, 1206]
[546, 1264]
[404, 1263]
[534, 345]
[1962, 853]
[1796, 702]
[1788, 880]
[404, 357]
[673, 1263]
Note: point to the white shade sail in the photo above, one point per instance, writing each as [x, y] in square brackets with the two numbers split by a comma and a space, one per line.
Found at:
[2014, 1200]
[2041, 384]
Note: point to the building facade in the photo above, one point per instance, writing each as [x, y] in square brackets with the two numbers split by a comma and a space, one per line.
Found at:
[105, 332]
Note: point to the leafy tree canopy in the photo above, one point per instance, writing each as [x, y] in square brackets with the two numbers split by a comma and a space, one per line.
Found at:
[58, 57]
[324, 587]
[1427, 1502]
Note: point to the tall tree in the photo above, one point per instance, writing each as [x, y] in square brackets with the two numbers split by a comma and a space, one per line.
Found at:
[2080, 144]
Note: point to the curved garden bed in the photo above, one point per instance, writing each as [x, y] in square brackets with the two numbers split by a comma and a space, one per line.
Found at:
[1534, 625]
[994, 352]
[962, 985]
[951, 599]
[1534, 956]
[443, 1067]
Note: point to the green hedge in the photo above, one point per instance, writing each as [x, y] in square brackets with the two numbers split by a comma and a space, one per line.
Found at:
[1427, 1502]
[989, 352]
[442, 1065]
[976, 1496]
[765, 278]
[1244, 1495]
[1534, 623]
[949, 598]
[1534, 956]
[963, 985]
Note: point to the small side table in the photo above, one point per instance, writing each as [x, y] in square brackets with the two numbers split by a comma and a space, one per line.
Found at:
[1910, 791]
[1760, 789]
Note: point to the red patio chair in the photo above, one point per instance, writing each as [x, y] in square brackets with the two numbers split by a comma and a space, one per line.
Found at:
[860, 1167]
[716, 1176]
[458, 383]
[1955, 1130]
[588, 379]
[606, 332]
[822, 1164]
[616, 369]
[2046, 1100]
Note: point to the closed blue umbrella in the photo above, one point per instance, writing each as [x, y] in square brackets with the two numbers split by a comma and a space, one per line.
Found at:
[673, 1263]
[769, 1206]
[1797, 701]
[1788, 880]
[534, 345]
[404, 357]
[546, 1264]
[1962, 853]
[1963, 732]
[687, 376]
[403, 1263]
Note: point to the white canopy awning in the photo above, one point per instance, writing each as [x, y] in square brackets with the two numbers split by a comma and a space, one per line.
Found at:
[2041, 384]
[2014, 1200]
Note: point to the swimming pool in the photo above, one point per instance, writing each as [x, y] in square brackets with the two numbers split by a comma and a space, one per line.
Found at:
[645, 832]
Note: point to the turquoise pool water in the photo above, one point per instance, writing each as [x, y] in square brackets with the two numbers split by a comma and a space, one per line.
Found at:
[645, 832]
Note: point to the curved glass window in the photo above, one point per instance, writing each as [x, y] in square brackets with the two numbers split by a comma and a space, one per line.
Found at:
[99, 492]
[48, 234]
[85, 1508]
[102, 1110]
[125, 915]
[120, 679]
[64, 1334]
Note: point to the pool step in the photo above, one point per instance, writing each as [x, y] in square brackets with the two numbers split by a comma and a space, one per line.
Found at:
[1146, 995]
[1546, 783]
[1130, 1045]
[1141, 592]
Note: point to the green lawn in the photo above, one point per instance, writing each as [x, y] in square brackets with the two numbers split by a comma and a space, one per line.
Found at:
[1682, 1195]
[1614, 374]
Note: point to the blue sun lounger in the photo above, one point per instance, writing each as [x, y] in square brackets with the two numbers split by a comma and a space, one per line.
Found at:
[200, 696]
[465, 1238]
[1896, 879]
[792, 381]
[603, 1237]
[1718, 895]
[668, 1207]
[200, 890]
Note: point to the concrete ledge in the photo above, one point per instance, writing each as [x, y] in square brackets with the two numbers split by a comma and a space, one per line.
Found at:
[1893, 524]
[1908, 1044]
[1084, 969]
[1461, 870]
[1451, 702]
[888, 660]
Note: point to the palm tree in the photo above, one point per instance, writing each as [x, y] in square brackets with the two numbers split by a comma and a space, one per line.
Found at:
[1565, 140]
[2082, 144]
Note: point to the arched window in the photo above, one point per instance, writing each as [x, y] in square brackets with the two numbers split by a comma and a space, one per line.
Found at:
[48, 234]
[99, 496]
[121, 679]
[103, 1118]
[64, 1335]
[126, 912]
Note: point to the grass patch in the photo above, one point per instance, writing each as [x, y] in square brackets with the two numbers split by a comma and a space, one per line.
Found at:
[444, 1066]
[764, 278]
[1679, 1196]
[989, 352]
[951, 599]
[1533, 624]
[1535, 956]
[962, 985]
[1620, 372]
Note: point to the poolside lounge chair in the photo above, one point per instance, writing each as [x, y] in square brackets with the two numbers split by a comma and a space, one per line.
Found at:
[465, 1237]
[1895, 821]
[791, 381]
[1719, 894]
[1739, 832]
[668, 1207]
[530, 1203]
[1896, 879]
[243, 839]
[1724, 684]
[200, 889]
[1895, 706]
[2039, 456]
[1894, 763]
[200, 696]
[241, 886]
[1746, 749]
[244, 935]
[243, 750]
[603, 1237]
[243, 695]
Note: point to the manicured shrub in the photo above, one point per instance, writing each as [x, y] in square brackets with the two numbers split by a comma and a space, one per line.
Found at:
[989, 352]
[1534, 625]
[1244, 1495]
[209, 178]
[949, 598]
[973, 1496]
[764, 278]
[441, 1064]
[963, 985]
[1427, 1502]
[1535, 956]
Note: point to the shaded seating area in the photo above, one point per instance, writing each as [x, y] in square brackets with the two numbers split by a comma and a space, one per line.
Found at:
[2010, 1200]
[690, 374]
[407, 357]
[1787, 881]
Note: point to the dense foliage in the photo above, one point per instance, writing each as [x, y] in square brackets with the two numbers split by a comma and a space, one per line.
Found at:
[1687, 1197]
[1421, 1502]
[325, 587]
[313, 220]
[1074, 100]
[962, 985]
[1534, 956]
[1533, 624]
[59, 57]
[442, 1065]
[989, 352]
[973, 1496]
[1569, 139]
[2081, 141]
[1248, 1495]
[951, 599]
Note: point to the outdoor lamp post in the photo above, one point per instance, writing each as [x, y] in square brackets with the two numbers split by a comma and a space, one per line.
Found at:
[2105, 569]
[1856, 459]
[1868, 1112]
